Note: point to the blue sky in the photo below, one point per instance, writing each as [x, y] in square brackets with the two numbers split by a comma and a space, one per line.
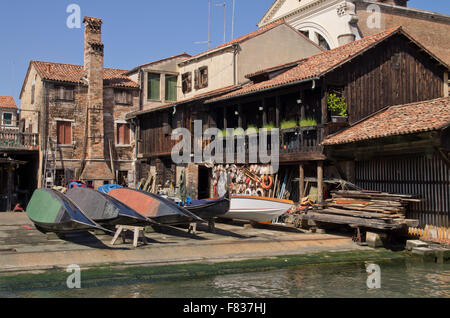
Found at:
[134, 31]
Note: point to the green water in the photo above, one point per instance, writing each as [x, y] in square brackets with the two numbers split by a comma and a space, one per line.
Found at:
[398, 279]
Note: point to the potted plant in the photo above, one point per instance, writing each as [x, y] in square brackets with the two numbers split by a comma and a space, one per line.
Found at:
[338, 106]
[251, 129]
[308, 124]
[269, 126]
[288, 124]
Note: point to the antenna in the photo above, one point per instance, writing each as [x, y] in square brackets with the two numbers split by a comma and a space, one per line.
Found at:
[232, 21]
[209, 27]
[224, 5]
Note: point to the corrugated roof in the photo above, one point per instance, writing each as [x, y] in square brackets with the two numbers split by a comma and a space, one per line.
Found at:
[397, 120]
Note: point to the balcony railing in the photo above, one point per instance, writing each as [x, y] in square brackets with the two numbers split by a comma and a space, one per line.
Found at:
[13, 139]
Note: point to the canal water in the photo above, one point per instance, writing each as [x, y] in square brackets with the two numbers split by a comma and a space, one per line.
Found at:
[397, 279]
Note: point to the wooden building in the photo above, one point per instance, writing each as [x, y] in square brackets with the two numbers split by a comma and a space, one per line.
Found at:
[384, 69]
[402, 149]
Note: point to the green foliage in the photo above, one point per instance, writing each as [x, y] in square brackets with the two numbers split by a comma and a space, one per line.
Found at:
[251, 129]
[288, 124]
[269, 126]
[308, 122]
[337, 104]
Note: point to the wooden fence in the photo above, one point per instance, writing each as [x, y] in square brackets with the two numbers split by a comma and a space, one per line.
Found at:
[425, 176]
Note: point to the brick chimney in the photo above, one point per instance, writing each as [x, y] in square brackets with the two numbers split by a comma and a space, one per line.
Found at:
[96, 168]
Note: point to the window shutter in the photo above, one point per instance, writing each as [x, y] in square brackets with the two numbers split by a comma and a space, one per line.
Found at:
[68, 133]
[154, 86]
[196, 79]
[126, 135]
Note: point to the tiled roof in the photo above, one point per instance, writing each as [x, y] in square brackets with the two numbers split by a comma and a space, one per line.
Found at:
[186, 55]
[70, 73]
[184, 101]
[317, 65]
[249, 36]
[397, 120]
[7, 102]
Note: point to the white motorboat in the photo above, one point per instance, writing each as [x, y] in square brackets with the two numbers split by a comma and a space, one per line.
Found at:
[257, 209]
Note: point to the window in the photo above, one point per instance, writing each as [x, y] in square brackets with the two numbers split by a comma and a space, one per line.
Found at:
[123, 134]
[322, 42]
[154, 86]
[305, 33]
[7, 119]
[64, 132]
[201, 77]
[64, 93]
[171, 87]
[186, 79]
[123, 97]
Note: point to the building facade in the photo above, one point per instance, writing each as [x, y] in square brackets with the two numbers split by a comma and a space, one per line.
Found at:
[79, 112]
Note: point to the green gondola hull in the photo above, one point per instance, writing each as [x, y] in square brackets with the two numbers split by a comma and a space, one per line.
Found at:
[51, 211]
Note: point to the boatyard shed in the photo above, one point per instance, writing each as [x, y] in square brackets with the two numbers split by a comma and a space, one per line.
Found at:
[402, 149]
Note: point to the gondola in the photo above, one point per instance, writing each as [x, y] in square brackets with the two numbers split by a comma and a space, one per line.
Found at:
[104, 209]
[52, 211]
[210, 209]
[157, 209]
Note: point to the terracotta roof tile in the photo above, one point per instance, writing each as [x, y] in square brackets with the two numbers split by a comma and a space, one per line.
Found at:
[317, 65]
[70, 73]
[184, 101]
[242, 38]
[397, 120]
[7, 102]
[186, 55]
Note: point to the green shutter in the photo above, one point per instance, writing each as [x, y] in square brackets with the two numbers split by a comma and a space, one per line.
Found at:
[154, 86]
[171, 88]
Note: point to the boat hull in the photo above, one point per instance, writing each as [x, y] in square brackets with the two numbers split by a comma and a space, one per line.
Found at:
[157, 209]
[51, 211]
[257, 209]
[104, 209]
[210, 209]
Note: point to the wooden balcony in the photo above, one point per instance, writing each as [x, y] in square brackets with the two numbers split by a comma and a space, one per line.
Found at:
[13, 139]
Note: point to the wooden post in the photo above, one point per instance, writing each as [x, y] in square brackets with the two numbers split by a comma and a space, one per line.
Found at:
[10, 188]
[225, 118]
[240, 117]
[301, 181]
[324, 103]
[277, 111]
[264, 114]
[319, 181]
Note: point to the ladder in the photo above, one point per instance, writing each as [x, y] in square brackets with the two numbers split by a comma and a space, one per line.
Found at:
[50, 164]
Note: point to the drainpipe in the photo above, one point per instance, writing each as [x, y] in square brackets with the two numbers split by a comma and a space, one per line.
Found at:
[235, 47]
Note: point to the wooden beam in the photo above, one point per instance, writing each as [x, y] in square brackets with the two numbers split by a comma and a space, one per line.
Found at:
[301, 181]
[324, 104]
[277, 111]
[320, 182]
[264, 114]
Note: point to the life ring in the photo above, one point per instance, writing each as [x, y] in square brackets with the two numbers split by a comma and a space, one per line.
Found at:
[259, 192]
[265, 185]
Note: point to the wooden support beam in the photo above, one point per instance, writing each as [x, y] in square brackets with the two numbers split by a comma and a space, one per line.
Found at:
[320, 182]
[264, 114]
[225, 123]
[301, 181]
[277, 111]
[324, 104]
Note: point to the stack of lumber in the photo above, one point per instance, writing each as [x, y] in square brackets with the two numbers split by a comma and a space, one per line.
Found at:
[364, 208]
